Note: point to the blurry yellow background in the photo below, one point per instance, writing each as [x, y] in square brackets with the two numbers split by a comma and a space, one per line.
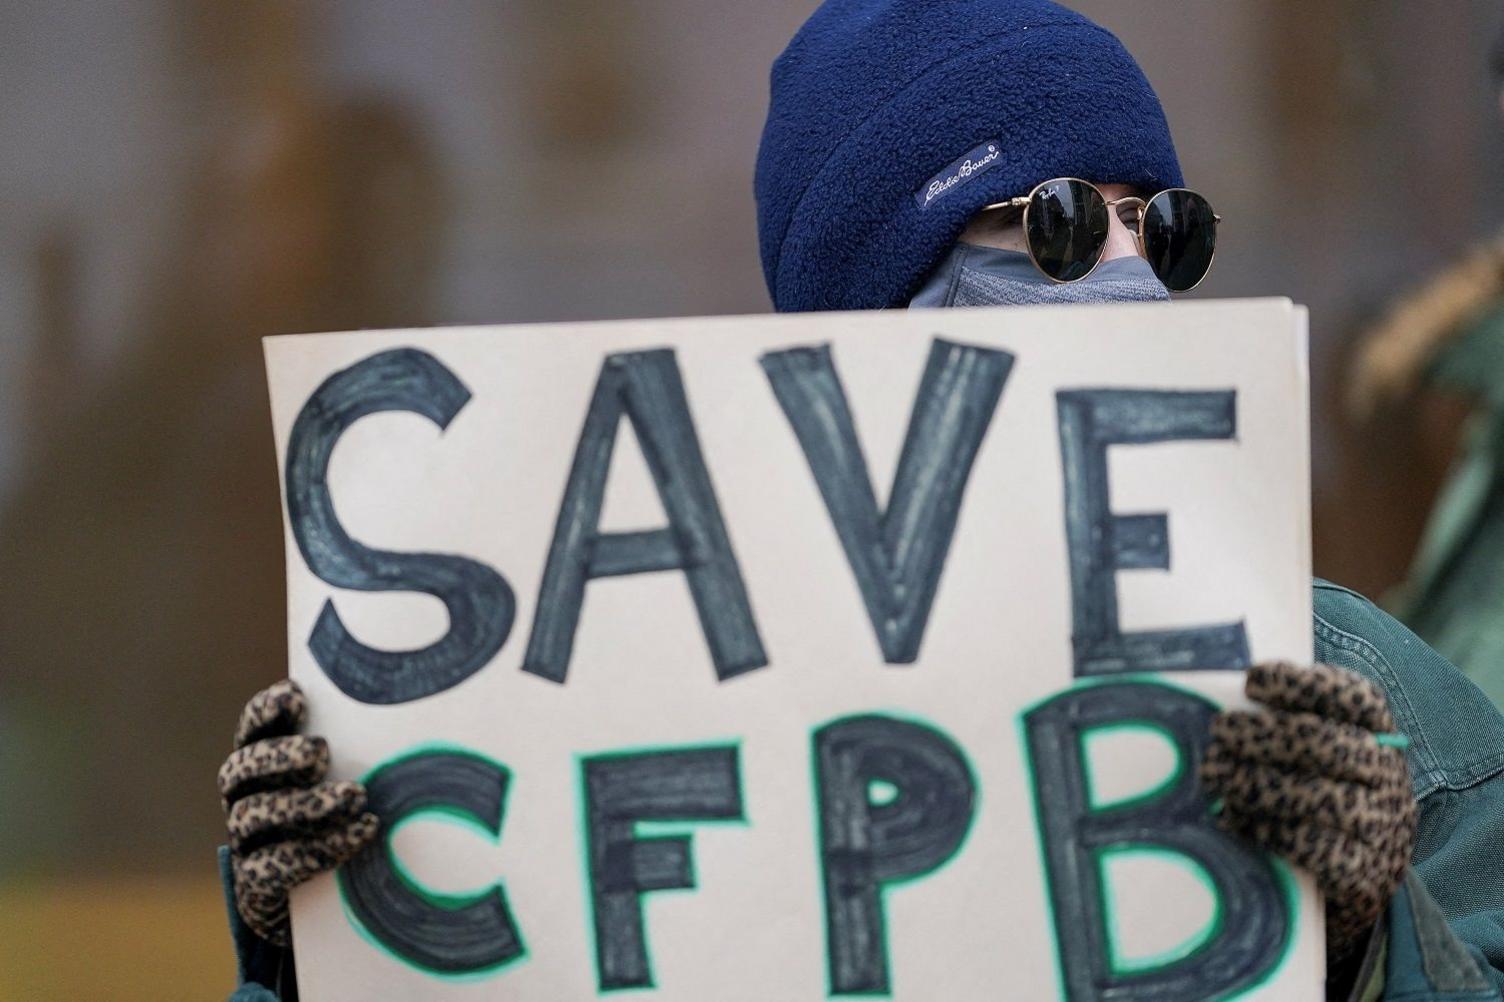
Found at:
[179, 178]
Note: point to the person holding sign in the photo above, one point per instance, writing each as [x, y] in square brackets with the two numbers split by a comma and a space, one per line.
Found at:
[939, 153]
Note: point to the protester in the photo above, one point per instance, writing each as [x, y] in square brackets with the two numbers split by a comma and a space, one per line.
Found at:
[985, 152]
[1446, 340]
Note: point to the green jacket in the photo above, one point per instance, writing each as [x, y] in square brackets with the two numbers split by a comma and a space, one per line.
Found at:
[1452, 905]
[1454, 596]
[1443, 935]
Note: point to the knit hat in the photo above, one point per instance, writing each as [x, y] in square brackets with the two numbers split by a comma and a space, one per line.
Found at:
[893, 121]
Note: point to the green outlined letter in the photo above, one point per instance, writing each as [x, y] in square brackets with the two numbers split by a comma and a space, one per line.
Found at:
[446, 935]
[1252, 927]
[681, 784]
[895, 800]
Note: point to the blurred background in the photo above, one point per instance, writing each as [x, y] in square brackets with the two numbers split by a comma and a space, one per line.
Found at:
[179, 178]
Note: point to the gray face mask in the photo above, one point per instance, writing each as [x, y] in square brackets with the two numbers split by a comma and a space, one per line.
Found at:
[985, 276]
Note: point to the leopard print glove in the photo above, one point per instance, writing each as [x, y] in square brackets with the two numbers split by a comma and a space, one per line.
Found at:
[286, 823]
[1308, 777]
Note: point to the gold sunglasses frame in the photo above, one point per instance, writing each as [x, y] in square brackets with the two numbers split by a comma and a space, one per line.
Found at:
[1026, 201]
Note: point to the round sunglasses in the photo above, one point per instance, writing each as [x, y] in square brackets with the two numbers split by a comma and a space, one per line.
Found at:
[1065, 225]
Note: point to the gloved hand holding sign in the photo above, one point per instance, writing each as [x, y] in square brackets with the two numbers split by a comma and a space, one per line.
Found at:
[286, 822]
[1318, 776]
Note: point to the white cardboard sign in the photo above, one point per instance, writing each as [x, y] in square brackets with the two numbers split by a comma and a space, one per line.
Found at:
[797, 657]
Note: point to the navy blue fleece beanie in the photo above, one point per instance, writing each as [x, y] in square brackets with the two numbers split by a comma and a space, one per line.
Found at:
[893, 121]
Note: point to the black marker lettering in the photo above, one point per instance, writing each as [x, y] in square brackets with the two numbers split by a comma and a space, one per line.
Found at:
[1101, 543]
[693, 784]
[896, 556]
[645, 387]
[445, 935]
[864, 845]
[479, 601]
[1252, 932]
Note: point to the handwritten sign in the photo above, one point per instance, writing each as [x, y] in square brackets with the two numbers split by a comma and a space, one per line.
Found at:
[798, 657]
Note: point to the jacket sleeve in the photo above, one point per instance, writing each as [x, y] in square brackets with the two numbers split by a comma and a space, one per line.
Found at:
[265, 971]
[1426, 959]
[1446, 924]
[1459, 884]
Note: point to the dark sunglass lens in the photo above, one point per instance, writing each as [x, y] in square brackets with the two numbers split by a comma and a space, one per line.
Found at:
[1066, 228]
[1180, 236]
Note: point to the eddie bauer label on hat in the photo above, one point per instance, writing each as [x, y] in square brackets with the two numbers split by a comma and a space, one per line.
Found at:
[969, 166]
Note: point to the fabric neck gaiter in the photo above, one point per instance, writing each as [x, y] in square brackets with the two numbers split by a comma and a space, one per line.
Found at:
[986, 276]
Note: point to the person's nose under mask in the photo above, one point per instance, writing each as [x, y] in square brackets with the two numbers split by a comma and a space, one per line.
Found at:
[972, 275]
